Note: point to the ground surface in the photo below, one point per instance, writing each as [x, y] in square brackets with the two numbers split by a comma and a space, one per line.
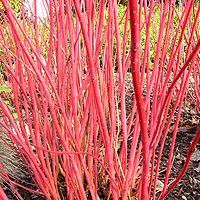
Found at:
[187, 189]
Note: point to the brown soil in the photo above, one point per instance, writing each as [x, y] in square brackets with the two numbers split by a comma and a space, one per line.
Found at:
[187, 189]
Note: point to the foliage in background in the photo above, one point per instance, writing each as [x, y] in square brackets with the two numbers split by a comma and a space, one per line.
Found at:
[15, 5]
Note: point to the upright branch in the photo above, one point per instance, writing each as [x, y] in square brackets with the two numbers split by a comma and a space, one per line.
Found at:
[135, 68]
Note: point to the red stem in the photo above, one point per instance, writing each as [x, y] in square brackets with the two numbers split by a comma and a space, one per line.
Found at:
[135, 67]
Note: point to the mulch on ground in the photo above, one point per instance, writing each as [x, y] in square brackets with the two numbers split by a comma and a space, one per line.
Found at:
[187, 189]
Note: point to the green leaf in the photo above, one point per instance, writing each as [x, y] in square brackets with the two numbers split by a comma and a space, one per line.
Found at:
[15, 115]
[4, 88]
[6, 102]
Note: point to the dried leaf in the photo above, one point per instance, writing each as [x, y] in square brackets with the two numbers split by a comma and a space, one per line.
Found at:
[198, 168]
[196, 155]
[180, 157]
[159, 185]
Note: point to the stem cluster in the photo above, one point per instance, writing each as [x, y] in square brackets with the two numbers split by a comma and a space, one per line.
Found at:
[67, 75]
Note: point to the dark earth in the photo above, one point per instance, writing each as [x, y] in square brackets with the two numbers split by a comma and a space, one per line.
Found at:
[187, 189]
